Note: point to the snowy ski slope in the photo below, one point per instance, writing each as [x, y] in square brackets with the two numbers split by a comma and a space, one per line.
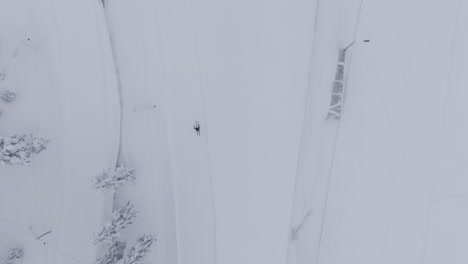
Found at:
[245, 83]
[384, 184]
[254, 60]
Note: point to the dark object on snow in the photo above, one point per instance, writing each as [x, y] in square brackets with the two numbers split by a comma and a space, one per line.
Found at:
[366, 40]
[26, 43]
[197, 127]
[45, 234]
[143, 108]
[349, 46]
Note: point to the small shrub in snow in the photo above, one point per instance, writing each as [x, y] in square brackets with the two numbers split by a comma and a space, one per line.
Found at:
[111, 179]
[14, 255]
[3, 75]
[113, 254]
[18, 149]
[7, 96]
[138, 251]
[121, 218]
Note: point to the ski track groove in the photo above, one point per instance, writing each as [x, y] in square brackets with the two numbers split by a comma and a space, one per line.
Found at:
[203, 105]
[289, 241]
[324, 211]
[444, 112]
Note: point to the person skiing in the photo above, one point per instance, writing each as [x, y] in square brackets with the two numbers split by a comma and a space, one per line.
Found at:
[197, 127]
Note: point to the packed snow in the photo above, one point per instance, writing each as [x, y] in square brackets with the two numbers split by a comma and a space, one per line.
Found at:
[226, 132]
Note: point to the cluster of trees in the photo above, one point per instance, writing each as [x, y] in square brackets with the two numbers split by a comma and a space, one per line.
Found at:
[19, 149]
[107, 236]
[114, 253]
[114, 178]
[134, 255]
[138, 251]
[121, 219]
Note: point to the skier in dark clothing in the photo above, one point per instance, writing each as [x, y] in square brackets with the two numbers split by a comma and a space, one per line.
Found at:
[197, 127]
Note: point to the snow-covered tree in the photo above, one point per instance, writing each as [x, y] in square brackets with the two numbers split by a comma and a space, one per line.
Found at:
[121, 218]
[113, 254]
[19, 149]
[138, 251]
[7, 96]
[14, 255]
[113, 178]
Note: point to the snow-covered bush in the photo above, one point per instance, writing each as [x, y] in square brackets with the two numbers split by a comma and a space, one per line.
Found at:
[113, 254]
[18, 149]
[138, 251]
[121, 218]
[14, 255]
[7, 96]
[3, 75]
[113, 178]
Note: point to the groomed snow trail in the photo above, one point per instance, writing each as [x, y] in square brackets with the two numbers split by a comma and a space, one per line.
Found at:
[245, 81]
[134, 34]
[253, 61]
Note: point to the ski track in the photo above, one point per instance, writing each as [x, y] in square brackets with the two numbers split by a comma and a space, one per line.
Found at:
[143, 133]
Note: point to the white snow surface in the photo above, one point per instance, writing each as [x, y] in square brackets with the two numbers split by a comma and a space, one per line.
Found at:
[245, 81]
[383, 184]
[65, 92]
[386, 184]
